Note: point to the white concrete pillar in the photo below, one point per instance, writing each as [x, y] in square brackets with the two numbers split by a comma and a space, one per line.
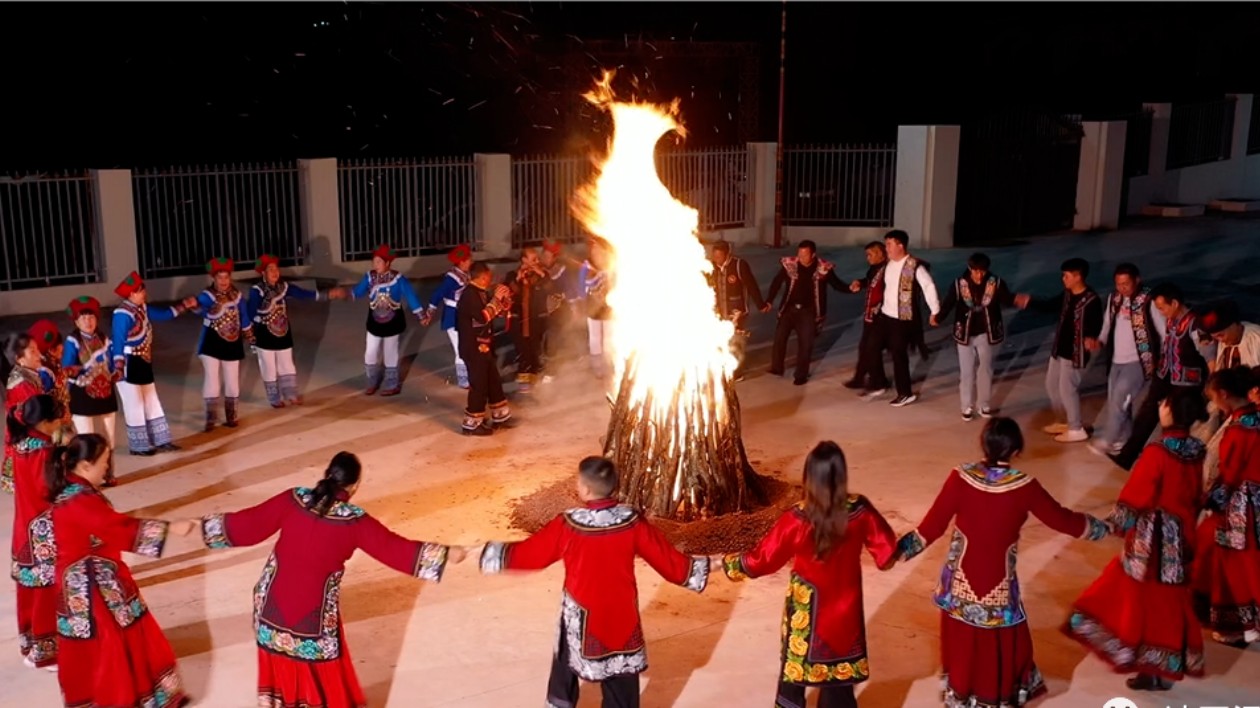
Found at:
[1100, 178]
[1160, 121]
[927, 184]
[115, 224]
[321, 211]
[494, 204]
[761, 187]
[1242, 125]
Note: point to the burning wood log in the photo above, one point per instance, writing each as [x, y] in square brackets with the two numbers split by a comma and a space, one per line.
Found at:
[689, 463]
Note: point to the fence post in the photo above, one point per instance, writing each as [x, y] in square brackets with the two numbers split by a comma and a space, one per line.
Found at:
[1161, 121]
[494, 203]
[761, 176]
[320, 211]
[927, 184]
[1100, 177]
[1242, 125]
[115, 224]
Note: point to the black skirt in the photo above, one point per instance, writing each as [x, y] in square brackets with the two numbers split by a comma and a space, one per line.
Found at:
[264, 339]
[83, 403]
[139, 371]
[393, 326]
[212, 345]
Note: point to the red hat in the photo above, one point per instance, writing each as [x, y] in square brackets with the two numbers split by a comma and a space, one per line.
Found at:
[1218, 317]
[219, 265]
[45, 334]
[384, 252]
[265, 260]
[83, 304]
[553, 247]
[129, 285]
[459, 254]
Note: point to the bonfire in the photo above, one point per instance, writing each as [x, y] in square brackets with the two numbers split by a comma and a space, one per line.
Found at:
[675, 426]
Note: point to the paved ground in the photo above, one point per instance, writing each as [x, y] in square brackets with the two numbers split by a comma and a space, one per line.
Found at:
[474, 642]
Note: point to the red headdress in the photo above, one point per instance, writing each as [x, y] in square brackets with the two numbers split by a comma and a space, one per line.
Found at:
[459, 254]
[45, 334]
[83, 304]
[384, 252]
[552, 247]
[132, 283]
[265, 260]
[220, 265]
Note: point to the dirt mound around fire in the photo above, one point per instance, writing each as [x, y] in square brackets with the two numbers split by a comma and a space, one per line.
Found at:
[730, 532]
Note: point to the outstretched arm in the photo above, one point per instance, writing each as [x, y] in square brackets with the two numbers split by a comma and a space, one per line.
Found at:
[249, 526]
[773, 550]
[678, 568]
[936, 521]
[534, 553]
[1064, 520]
[419, 559]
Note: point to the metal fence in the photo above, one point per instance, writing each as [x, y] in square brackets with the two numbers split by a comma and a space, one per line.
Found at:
[1200, 133]
[839, 185]
[48, 231]
[714, 182]
[187, 215]
[1137, 143]
[418, 207]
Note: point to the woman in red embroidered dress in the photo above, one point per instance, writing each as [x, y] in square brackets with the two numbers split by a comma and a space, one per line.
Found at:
[23, 382]
[986, 647]
[303, 659]
[824, 626]
[34, 555]
[1227, 559]
[1138, 615]
[110, 648]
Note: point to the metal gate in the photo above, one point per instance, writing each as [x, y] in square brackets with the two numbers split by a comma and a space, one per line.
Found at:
[1016, 176]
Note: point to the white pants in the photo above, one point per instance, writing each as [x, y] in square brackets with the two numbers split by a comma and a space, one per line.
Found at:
[274, 364]
[372, 356]
[599, 334]
[222, 377]
[102, 424]
[139, 403]
[453, 333]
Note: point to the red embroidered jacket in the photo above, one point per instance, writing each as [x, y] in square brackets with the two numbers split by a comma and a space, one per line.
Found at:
[297, 606]
[34, 553]
[1235, 495]
[826, 640]
[600, 607]
[22, 384]
[989, 506]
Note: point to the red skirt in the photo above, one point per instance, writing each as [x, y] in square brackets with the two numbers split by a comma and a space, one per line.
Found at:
[37, 624]
[1226, 583]
[1147, 627]
[119, 667]
[992, 667]
[284, 682]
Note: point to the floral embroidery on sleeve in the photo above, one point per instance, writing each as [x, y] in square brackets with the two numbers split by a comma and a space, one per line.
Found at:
[733, 564]
[910, 545]
[698, 577]
[431, 562]
[150, 538]
[493, 557]
[214, 532]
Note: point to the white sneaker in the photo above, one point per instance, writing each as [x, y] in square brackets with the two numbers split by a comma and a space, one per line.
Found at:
[1100, 448]
[1055, 429]
[872, 395]
[986, 412]
[1071, 436]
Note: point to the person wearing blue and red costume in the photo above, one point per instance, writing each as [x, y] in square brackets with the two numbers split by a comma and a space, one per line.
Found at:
[387, 290]
[447, 295]
[225, 327]
[273, 340]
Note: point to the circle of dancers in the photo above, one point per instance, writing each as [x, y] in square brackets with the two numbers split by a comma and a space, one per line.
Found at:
[1189, 514]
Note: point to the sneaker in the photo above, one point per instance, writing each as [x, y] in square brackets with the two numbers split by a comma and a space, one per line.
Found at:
[900, 401]
[1071, 436]
[853, 384]
[874, 394]
[1100, 448]
[986, 412]
[968, 414]
[1055, 429]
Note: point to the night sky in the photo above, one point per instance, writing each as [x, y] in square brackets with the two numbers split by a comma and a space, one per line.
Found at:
[105, 85]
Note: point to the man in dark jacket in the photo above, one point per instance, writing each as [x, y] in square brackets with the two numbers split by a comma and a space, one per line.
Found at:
[734, 286]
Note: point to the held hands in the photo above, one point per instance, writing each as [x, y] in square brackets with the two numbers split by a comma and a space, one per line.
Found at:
[933, 321]
[337, 293]
[1092, 344]
[1021, 300]
[189, 303]
[426, 319]
[765, 307]
[855, 286]
[183, 527]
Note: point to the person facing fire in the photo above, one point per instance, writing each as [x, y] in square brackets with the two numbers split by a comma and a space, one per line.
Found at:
[447, 295]
[803, 308]
[595, 280]
[51, 346]
[225, 327]
[734, 286]
[534, 298]
[387, 291]
[563, 271]
[476, 312]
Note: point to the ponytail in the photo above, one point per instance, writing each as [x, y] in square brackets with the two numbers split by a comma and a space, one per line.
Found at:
[30, 413]
[65, 460]
[343, 472]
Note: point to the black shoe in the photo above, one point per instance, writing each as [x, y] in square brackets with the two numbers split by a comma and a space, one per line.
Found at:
[854, 384]
[1119, 462]
[1146, 682]
[800, 382]
[169, 447]
[480, 430]
[900, 401]
[143, 453]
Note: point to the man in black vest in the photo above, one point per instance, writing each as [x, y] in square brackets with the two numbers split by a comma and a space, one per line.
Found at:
[891, 306]
[733, 286]
[864, 374]
[977, 298]
[803, 308]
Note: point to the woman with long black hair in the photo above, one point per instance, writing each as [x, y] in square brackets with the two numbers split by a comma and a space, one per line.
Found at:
[824, 644]
[303, 659]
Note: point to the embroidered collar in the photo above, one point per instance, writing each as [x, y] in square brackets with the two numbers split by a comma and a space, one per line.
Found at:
[1246, 416]
[602, 515]
[75, 486]
[339, 510]
[1183, 446]
[997, 478]
[35, 441]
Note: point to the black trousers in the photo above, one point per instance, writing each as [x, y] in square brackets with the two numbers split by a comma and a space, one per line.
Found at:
[1146, 420]
[896, 336]
[529, 348]
[803, 322]
[484, 384]
[870, 363]
[562, 687]
[792, 695]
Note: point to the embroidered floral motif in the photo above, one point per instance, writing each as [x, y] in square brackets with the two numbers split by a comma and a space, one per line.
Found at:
[905, 288]
[1122, 517]
[1000, 607]
[1095, 529]
[75, 618]
[698, 576]
[430, 562]
[992, 479]
[323, 647]
[910, 545]
[338, 510]
[140, 335]
[41, 651]
[35, 565]
[1188, 448]
[1242, 504]
[150, 538]
[224, 315]
[1139, 549]
[1142, 331]
[601, 519]
[962, 325]
[273, 313]
[381, 297]
[214, 531]
[6, 475]
[1142, 658]
[733, 565]
[801, 658]
[1233, 619]
[595, 668]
